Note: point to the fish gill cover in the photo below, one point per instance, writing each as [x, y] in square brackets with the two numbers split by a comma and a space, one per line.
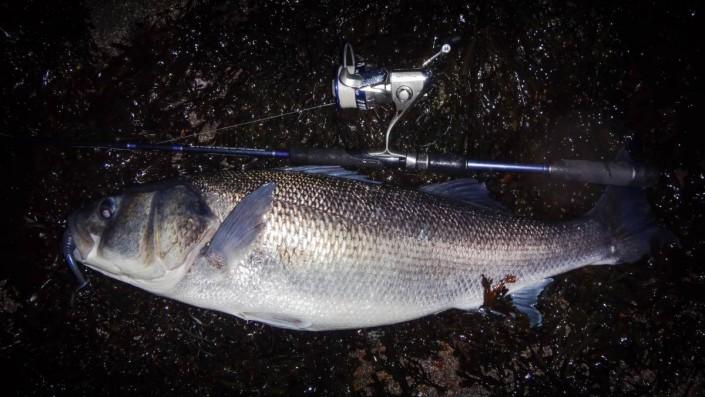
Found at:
[530, 81]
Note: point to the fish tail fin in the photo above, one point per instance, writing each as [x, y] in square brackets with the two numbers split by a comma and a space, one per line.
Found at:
[626, 213]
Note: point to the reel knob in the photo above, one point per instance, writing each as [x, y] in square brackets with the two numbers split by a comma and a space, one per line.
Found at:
[404, 93]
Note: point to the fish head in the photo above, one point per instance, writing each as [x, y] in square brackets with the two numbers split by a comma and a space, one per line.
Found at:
[147, 236]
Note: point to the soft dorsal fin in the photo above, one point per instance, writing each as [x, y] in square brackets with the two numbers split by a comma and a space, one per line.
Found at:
[330, 170]
[525, 300]
[241, 227]
[466, 190]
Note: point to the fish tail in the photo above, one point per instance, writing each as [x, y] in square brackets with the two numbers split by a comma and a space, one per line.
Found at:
[626, 213]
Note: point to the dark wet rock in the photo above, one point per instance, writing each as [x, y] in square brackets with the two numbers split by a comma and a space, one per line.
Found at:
[363, 374]
[534, 82]
[207, 132]
[442, 371]
[8, 299]
[391, 386]
[114, 21]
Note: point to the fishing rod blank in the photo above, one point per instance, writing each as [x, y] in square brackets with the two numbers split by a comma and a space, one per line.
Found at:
[618, 173]
[217, 150]
[600, 172]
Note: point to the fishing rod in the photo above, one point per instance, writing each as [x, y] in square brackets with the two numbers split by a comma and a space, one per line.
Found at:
[362, 86]
[618, 173]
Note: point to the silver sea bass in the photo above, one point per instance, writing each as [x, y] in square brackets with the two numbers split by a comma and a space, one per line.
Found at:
[311, 251]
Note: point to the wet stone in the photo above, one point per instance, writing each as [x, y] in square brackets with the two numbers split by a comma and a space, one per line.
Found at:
[545, 81]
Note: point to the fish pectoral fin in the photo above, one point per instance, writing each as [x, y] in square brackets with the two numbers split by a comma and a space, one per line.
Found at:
[234, 238]
[278, 320]
[525, 300]
[466, 190]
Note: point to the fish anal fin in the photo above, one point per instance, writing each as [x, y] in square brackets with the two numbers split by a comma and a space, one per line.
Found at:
[526, 298]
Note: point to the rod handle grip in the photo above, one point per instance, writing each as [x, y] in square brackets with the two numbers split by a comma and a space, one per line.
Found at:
[604, 172]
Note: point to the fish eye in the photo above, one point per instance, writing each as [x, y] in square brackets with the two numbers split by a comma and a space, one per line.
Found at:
[107, 207]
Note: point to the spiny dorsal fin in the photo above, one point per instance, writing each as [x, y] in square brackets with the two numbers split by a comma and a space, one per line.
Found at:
[466, 190]
[330, 170]
[241, 227]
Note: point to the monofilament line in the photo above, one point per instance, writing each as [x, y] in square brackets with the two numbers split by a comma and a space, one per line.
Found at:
[244, 123]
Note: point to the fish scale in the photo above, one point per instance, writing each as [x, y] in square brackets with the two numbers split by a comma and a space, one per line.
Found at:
[318, 248]
[337, 253]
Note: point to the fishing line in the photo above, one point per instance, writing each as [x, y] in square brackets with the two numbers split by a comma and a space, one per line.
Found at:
[244, 123]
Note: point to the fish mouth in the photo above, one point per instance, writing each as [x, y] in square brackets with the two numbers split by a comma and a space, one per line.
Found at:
[82, 240]
[71, 255]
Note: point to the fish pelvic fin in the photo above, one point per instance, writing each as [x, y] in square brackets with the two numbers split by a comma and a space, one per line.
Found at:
[626, 213]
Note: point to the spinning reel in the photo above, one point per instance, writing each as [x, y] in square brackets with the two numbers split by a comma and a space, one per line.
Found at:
[359, 86]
